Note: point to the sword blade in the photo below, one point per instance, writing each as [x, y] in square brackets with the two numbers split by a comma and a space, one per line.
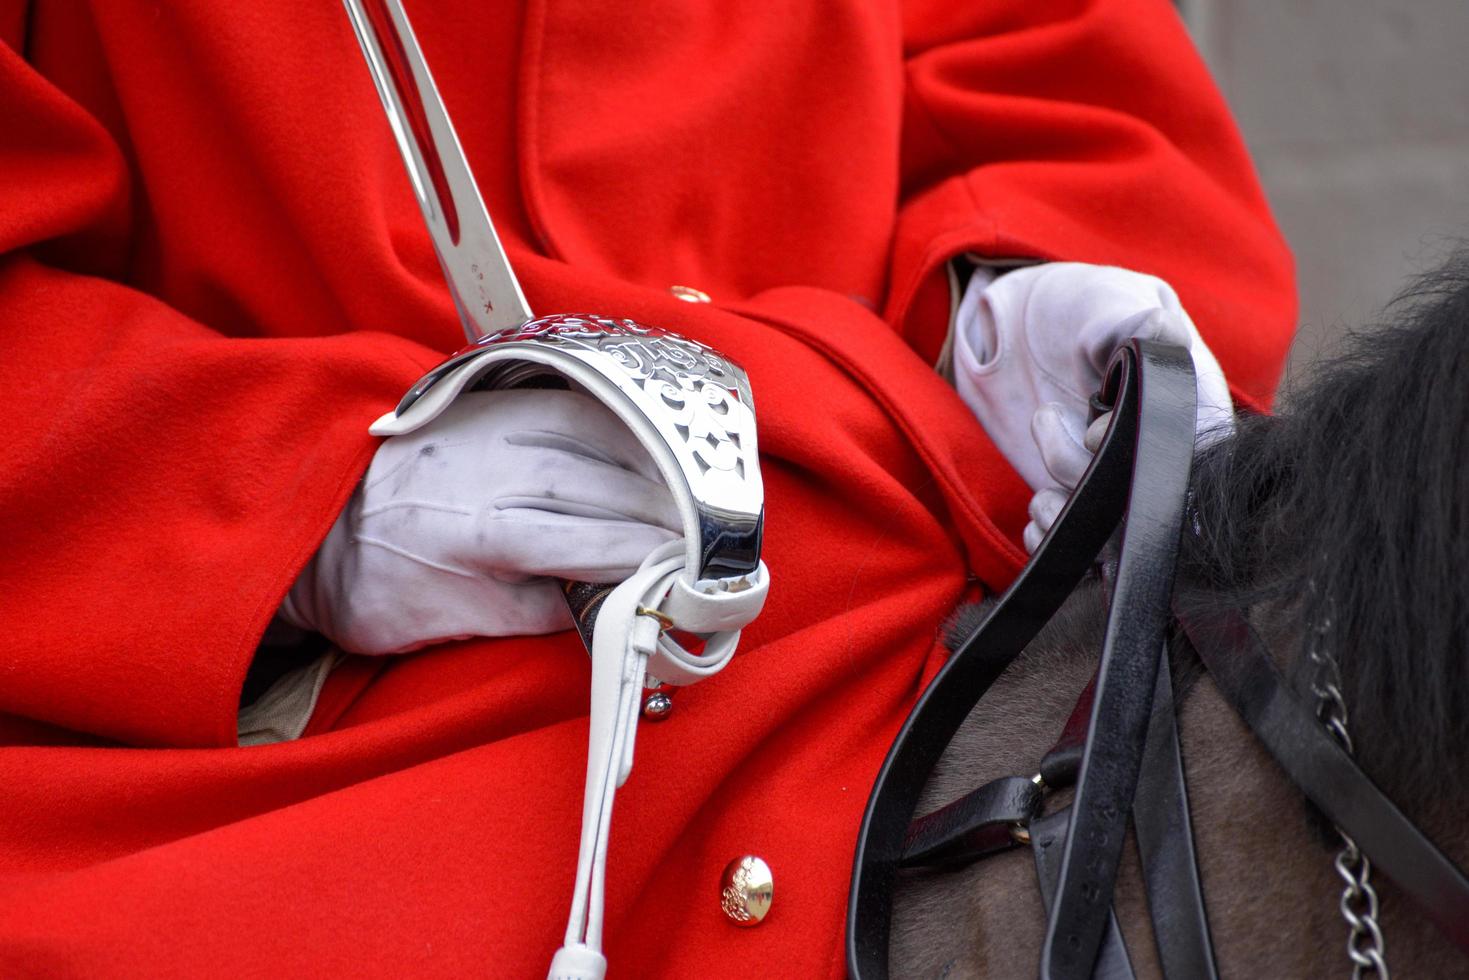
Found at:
[485, 290]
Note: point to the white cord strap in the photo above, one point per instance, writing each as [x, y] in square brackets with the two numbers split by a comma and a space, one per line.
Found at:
[629, 645]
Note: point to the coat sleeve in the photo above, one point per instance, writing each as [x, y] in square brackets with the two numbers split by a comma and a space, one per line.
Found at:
[1089, 132]
[160, 483]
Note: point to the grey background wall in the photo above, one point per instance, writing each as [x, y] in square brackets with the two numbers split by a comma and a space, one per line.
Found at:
[1357, 114]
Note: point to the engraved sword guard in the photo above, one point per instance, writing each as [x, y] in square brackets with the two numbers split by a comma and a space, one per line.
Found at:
[689, 406]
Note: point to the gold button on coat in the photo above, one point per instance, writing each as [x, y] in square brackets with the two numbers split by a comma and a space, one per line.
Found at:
[689, 294]
[746, 890]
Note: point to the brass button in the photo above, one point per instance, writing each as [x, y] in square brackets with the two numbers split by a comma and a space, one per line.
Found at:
[689, 294]
[746, 890]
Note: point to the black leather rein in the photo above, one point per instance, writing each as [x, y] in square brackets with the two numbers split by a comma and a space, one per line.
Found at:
[1120, 748]
[1150, 388]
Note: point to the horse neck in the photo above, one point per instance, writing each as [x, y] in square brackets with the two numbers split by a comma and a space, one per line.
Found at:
[1265, 860]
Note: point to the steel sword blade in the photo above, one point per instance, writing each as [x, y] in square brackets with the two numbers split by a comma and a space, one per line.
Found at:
[486, 293]
[485, 290]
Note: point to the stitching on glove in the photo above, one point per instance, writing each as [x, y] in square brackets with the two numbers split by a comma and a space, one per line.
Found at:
[413, 505]
[570, 508]
[411, 556]
[542, 439]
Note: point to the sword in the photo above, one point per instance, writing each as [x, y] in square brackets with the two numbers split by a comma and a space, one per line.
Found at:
[689, 406]
[698, 401]
[486, 293]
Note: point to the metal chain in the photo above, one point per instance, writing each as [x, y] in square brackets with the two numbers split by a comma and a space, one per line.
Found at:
[1365, 945]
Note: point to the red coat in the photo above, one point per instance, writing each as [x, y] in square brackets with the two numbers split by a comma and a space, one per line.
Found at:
[213, 278]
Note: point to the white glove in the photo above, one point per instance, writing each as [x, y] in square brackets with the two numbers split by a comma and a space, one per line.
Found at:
[457, 525]
[1030, 347]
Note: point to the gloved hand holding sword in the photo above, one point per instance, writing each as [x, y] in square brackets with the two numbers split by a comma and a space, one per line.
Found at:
[578, 446]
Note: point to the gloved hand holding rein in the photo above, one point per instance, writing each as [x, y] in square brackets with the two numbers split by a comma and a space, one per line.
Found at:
[1030, 347]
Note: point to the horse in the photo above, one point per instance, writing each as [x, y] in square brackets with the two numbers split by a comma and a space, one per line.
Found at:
[1339, 525]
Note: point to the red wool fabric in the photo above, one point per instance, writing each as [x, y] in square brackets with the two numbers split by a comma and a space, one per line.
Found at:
[213, 276]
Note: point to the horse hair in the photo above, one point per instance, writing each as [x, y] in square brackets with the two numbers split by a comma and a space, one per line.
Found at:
[1350, 506]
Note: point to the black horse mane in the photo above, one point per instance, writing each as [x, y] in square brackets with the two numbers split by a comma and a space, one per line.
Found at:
[1350, 506]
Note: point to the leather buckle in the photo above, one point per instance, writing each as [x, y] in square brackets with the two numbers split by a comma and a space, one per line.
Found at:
[665, 622]
[1020, 829]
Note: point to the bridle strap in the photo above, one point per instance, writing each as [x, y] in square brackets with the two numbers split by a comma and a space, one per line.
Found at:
[1059, 766]
[978, 823]
[1165, 845]
[1249, 680]
[1047, 839]
[1085, 524]
[991, 819]
[987, 819]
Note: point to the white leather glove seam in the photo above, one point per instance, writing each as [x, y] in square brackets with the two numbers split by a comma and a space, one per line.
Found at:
[545, 439]
[374, 481]
[402, 552]
[570, 508]
[414, 504]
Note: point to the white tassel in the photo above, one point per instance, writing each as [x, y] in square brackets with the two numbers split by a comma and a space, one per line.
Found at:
[622, 643]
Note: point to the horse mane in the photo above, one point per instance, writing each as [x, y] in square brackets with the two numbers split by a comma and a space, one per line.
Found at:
[1350, 505]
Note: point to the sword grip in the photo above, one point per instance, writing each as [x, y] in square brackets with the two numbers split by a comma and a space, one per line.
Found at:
[585, 599]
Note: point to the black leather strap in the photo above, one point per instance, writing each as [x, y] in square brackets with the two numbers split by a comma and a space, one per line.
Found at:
[1137, 624]
[1250, 682]
[1047, 840]
[1062, 764]
[976, 824]
[979, 824]
[1083, 527]
[1165, 843]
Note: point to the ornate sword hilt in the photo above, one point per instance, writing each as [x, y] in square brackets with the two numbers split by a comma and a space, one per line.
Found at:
[689, 406]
